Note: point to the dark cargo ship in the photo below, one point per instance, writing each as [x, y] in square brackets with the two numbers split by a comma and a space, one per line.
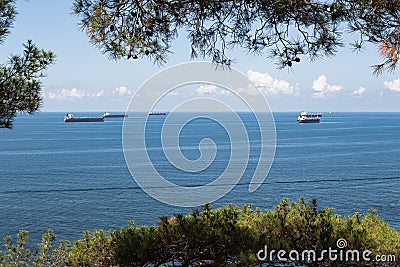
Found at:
[108, 115]
[157, 113]
[70, 118]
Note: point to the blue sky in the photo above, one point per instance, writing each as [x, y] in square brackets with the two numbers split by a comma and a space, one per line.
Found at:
[83, 79]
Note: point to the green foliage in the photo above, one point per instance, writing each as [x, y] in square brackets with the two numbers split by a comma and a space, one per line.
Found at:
[18, 255]
[20, 86]
[91, 250]
[7, 16]
[227, 236]
[285, 29]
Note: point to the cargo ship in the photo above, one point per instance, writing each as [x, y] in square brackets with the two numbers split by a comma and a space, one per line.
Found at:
[108, 115]
[157, 113]
[309, 117]
[70, 118]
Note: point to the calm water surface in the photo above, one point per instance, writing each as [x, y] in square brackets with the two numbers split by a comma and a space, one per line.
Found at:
[71, 177]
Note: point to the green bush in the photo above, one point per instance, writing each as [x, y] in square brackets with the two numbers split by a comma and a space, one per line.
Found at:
[227, 236]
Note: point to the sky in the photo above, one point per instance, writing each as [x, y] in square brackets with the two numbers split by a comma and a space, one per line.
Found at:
[84, 79]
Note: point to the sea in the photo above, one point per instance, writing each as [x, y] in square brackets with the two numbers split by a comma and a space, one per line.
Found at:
[72, 177]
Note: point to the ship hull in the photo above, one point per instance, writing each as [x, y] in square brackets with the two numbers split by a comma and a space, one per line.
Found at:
[84, 119]
[116, 116]
[157, 113]
[308, 121]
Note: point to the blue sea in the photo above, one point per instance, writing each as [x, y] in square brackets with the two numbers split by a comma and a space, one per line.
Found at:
[72, 177]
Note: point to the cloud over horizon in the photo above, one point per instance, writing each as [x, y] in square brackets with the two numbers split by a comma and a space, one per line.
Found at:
[73, 93]
[393, 85]
[122, 91]
[213, 89]
[270, 85]
[324, 90]
[360, 91]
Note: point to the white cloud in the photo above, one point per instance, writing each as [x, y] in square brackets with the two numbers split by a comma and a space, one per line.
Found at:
[73, 93]
[98, 94]
[269, 85]
[121, 91]
[360, 91]
[65, 93]
[249, 90]
[207, 89]
[322, 89]
[259, 79]
[393, 85]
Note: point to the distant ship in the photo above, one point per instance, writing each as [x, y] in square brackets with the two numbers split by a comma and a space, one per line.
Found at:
[309, 117]
[70, 118]
[157, 113]
[108, 115]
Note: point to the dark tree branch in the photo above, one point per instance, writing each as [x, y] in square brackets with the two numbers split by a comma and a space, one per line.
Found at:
[286, 28]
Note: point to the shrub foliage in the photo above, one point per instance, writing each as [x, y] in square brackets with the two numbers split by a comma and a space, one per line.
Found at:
[227, 236]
